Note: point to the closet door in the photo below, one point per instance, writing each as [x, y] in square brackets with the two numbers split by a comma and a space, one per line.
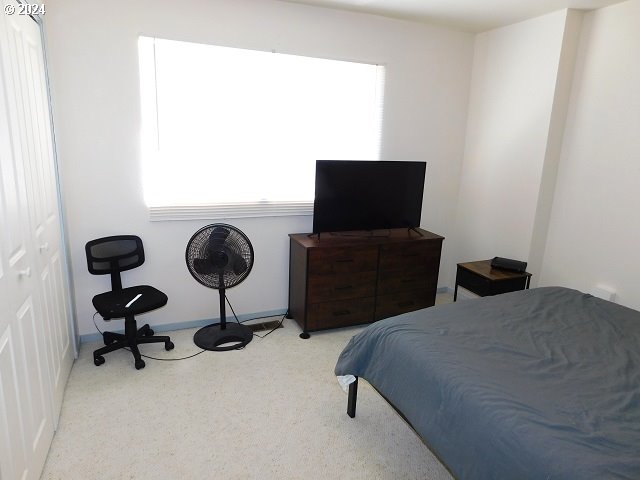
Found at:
[35, 337]
[35, 139]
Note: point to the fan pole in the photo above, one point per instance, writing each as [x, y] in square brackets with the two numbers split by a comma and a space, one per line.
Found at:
[223, 313]
[221, 337]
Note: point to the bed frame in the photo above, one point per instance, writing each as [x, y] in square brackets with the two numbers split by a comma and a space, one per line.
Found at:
[351, 411]
[353, 397]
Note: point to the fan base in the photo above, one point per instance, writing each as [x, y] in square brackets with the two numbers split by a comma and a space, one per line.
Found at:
[213, 337]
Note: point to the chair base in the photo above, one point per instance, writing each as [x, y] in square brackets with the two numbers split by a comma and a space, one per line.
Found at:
[130, 339]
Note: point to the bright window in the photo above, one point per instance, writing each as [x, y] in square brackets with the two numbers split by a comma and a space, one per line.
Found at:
[232, 130]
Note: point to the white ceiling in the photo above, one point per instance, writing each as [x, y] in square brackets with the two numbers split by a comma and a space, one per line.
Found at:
[468, 15]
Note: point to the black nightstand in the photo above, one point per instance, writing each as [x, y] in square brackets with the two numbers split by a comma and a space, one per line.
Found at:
[481, 279]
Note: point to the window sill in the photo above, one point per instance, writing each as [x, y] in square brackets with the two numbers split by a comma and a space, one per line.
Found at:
[220, 211]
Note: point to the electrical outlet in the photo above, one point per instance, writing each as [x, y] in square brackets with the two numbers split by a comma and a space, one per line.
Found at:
[604, 292]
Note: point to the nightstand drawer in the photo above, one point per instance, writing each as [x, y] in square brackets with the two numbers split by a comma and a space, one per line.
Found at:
[343, 260]
[472, 282]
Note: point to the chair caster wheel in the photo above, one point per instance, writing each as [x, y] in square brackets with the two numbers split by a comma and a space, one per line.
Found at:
[168, 345]
[149, 333]
[97, 361]
[139, 364]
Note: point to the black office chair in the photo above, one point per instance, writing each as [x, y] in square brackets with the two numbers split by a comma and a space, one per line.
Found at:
[112, 255]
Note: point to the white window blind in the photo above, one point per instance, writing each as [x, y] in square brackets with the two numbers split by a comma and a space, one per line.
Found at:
[229, 132]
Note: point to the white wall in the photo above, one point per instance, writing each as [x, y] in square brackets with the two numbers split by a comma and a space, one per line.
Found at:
[92, 51]
[552, 160]
[594, 229]
[511, 138]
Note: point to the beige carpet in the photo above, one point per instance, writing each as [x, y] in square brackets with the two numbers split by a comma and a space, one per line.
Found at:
[271, 411]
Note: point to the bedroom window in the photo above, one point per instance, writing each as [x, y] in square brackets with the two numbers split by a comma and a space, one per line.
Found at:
[230, 133]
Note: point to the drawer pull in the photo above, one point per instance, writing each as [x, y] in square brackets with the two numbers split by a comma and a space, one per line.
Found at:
[344, 287]
[339, 313]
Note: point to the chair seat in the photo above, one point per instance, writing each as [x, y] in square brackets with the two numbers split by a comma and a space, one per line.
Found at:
[114, 304]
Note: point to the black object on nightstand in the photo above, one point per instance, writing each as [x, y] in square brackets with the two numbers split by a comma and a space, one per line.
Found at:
[484, 280]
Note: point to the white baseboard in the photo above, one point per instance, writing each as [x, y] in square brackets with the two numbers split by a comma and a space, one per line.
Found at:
[119, 324]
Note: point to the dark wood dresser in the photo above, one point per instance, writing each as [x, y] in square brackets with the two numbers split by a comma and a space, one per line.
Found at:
[350, 278]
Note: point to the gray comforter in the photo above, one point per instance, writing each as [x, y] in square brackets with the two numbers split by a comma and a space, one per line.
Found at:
[540, 384]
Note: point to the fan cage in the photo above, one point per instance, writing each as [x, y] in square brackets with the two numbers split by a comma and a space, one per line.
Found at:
[236, 242]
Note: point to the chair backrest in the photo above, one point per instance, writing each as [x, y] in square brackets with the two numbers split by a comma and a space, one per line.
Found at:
[115, 254]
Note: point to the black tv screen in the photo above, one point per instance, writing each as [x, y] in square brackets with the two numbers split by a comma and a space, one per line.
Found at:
[367, 195]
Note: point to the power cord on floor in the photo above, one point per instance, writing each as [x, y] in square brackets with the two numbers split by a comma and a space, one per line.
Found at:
[256, 318]
[147, 356]
[202, 351]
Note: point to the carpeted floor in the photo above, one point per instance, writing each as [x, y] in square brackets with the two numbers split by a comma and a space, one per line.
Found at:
[273, 410]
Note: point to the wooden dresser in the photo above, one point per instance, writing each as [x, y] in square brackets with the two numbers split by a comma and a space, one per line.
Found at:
[350, 278]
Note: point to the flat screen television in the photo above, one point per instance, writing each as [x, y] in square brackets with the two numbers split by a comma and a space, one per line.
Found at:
[367, 195]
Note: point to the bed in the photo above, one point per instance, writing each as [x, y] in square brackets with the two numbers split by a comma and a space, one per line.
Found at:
[540, 384]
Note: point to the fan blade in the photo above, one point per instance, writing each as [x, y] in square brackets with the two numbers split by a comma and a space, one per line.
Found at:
[216, 258]
[217, 238]
[204, 266]
[239, 263]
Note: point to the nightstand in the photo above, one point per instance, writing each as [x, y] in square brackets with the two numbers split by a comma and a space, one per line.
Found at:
[479, 278]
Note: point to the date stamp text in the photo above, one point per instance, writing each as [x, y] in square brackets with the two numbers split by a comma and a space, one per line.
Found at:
[25, 9]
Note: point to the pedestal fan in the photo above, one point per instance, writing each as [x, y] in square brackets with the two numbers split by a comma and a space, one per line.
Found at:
[220, 256]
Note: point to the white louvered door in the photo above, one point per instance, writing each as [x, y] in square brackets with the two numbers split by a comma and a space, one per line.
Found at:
[36, 347]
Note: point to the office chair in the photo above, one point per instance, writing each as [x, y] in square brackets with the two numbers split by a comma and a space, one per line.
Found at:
[112, 255]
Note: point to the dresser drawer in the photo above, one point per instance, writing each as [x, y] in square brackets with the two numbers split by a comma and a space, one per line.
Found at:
[410, 255]
[402, 302]
[340, 313]
[330, 287]
[343, 260]
[394, 281]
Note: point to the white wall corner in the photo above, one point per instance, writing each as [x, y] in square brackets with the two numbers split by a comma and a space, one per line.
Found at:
[557, 122]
